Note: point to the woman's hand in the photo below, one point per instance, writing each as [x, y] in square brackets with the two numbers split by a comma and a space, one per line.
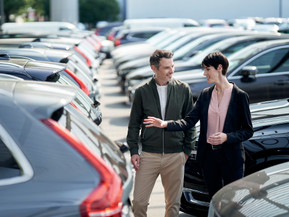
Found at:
[155, 122]
[217, 138]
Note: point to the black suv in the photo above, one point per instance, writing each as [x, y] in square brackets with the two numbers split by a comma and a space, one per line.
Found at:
[268, 146]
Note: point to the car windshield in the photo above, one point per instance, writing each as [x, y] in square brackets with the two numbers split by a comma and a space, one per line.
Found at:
[196, 42]
[171, 39]
[240, 56]
[157, 38]
[180, 42]
[197, 59]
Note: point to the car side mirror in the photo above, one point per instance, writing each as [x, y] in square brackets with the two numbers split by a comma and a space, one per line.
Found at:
[95, 104]
[249, 73]
[123, 147]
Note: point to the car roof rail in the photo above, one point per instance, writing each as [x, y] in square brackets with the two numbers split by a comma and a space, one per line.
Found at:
[21, 57]
[4, 57]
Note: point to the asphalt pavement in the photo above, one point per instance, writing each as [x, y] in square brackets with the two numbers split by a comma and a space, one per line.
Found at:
[115, 114]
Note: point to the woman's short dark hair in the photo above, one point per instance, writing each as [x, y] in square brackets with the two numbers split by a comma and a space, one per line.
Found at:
[157, 55]
[215, 59]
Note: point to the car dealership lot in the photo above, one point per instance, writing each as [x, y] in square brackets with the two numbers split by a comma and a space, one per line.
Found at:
[80, 70]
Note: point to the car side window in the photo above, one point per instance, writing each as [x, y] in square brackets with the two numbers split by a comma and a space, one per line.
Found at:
[143, 35]
[271, 62]
[8, 165]
[83, 133]
[236, 47]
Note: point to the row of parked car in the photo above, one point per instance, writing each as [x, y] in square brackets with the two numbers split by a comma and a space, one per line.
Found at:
[55, 159]
[259, 64]
[135, 30]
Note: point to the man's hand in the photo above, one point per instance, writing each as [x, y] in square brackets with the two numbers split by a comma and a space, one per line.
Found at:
[155, 122]
[186, 156]
[135, 161]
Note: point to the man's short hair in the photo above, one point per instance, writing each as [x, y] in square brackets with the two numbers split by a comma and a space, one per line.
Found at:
[215, 59]
[157, 55]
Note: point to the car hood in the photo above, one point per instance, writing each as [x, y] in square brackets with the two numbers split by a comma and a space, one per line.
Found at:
[264, 193]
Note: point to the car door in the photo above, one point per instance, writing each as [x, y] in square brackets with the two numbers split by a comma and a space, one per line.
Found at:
[272, 78]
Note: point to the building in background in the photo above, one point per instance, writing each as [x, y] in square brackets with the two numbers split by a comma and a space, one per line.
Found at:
[64, 10]
[204, 9]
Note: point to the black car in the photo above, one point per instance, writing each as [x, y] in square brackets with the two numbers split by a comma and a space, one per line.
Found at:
[81, 76]
[268, 146]
[104, 28]
[261, 69]
[135, 35]
[191, 70]
[29, 69]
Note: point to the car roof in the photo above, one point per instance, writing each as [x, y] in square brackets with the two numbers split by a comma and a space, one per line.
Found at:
[39, 44]
[39, 98]
[42, 54]
[35, 70]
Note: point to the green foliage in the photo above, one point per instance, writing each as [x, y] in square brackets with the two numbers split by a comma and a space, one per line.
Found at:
[18, 7]
[41, 6]
[92, 11]
[13, 7]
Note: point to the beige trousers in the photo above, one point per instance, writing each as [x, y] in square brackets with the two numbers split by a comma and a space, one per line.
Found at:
[171, 169]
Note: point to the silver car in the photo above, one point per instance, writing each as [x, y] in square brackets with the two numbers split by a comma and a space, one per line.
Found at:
[54, 161]
[264, 193]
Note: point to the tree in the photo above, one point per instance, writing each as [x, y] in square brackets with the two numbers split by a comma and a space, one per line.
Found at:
[42, 7]
[13, 7]
[92, 11]
[19, 7]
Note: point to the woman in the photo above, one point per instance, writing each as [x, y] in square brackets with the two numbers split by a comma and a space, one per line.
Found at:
[225, 122]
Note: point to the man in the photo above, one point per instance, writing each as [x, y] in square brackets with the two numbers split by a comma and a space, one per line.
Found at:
[158, 152]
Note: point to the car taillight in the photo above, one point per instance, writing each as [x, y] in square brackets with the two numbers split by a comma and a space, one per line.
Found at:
[105, 199]
[88, 62]
[117, 42]
[82, 86]
[110, 37]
